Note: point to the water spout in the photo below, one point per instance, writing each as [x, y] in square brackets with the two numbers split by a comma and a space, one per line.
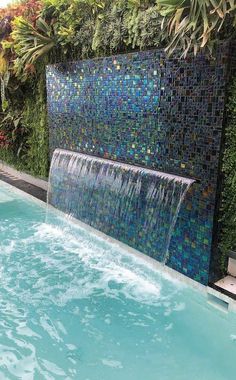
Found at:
[135, 205]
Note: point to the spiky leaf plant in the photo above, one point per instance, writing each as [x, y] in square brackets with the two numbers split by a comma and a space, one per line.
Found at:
[30, 43]
[194, 24]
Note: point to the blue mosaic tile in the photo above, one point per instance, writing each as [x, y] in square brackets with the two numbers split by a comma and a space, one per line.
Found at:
[162, 113]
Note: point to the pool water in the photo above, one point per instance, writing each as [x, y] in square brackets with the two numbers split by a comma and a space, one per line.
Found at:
[74, 306]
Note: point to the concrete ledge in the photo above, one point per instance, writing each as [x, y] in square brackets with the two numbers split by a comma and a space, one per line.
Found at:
[43, 184]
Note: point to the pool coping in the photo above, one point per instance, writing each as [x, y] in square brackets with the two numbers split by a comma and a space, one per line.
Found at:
[152, 263]
[27, 183]
[41, 183]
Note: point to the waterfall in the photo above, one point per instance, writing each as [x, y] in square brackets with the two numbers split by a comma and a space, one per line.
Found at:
[135, 205]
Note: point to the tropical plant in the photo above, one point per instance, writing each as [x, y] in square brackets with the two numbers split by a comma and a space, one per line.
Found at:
[194, 24]
[84, 28]
[12, 132]
[4, 79]
[30, 44]
[143, 22]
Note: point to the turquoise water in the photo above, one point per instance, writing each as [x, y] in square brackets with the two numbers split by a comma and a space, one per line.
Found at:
[73, 306]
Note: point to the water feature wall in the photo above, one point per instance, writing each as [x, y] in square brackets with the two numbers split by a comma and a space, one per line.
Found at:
[135, 205]
[162, 113]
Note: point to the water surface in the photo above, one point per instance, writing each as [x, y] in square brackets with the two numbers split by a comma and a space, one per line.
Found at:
[73, 306]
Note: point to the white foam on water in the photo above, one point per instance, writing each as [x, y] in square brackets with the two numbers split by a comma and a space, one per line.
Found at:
[73, 234]
[115, 272]
[112, 363]
[103, 268]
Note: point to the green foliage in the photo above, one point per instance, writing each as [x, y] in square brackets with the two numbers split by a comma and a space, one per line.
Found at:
[8, 156]
[228, 238]
[11, 129]
[34, 119]
[23, 125]
[110, 29]
[194, 24]
[30, 44]
[75, 29]
[149, 29]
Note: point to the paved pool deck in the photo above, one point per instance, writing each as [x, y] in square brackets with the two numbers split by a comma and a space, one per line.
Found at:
[29, 188]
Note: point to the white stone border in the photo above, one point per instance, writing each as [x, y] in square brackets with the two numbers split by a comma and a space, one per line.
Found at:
[43, 184]
[228, 300]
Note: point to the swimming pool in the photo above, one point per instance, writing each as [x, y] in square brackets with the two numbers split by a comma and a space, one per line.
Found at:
[75, 306]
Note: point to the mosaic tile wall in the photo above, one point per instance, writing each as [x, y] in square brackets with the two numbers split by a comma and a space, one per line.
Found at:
[145, 109]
